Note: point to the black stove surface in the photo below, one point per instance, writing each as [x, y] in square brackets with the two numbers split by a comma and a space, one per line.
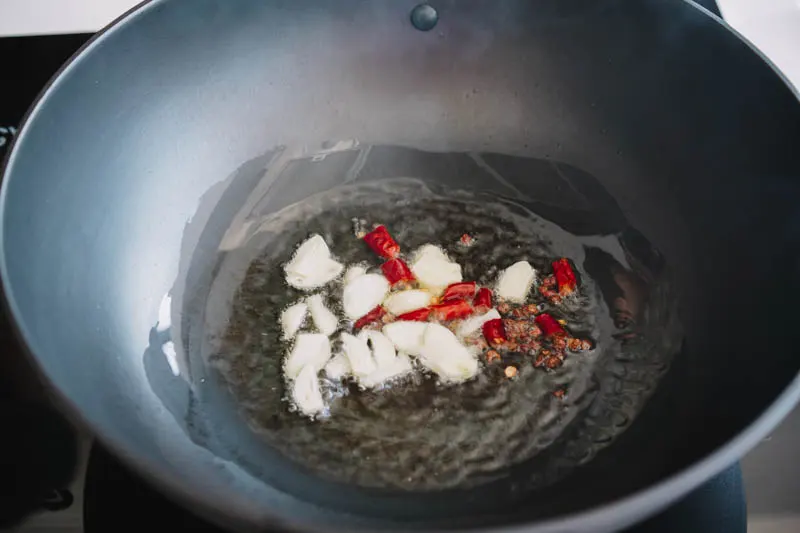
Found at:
[39, 450]
[111, 490]
[41, 459]
[33, 61]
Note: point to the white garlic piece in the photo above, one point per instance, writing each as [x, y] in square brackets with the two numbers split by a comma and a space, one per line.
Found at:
[353, 272]
[383, 351]
[433, 269]
[358, 355]
[323, 318]
[401, 302]
[309, 349]
[473, 324]
[515, 282]
[443, 354]
[363, 294]
[407, 336]
[306, 394]
[311, 265]
[292, 319]
[338, 367]
[400, 366]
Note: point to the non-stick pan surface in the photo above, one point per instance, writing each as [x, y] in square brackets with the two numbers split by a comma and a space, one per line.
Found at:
[648, 124]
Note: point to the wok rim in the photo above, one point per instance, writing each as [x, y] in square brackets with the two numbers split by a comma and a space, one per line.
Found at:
[607, 517]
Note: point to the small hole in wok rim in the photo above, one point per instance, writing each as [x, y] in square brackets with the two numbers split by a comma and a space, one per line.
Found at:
[424, 17]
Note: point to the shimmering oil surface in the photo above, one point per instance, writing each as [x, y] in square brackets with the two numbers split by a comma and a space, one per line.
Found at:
[419, 435]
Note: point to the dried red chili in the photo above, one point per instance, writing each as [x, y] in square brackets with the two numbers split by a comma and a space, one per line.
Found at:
[418, 315]
[452, 310]
[565, 277]
[549, 325]
[494, 332]
[382, 243]
[396, 271]
[459, 291]
[483, 298]
[373, 316]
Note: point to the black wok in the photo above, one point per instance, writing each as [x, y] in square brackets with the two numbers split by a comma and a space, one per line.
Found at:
[190, 123]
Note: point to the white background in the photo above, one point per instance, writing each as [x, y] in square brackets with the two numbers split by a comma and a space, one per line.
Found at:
[771, 471]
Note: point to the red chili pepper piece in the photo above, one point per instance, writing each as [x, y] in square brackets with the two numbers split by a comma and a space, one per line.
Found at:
[483, 298]
[418, 315]
[565, 277]
[459, 291]
[396, 270]
[549, 325]
[373, 316]
[382, 243]
[452, 310]
[494, 332]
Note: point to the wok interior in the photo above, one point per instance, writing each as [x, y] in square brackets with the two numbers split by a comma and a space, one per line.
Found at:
[419, 436]
[158, 118]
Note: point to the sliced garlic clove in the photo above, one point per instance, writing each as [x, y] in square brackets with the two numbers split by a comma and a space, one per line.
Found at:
[358, 355]
[404, 301]
[433, 269]
[406, 336]
[292, 319]
[338, 367]
[383, 351]
[309, 349]
[324, 319]
[473, 324]
[306, 394]
[311, 265]
[353, 272]
[402, 364]
[443, 354]
[397, 369]
[363, 294]
[430, 252]
[515, 282]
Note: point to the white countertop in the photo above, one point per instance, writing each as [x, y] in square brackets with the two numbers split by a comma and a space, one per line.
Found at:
[36, 17]
[772, 25]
